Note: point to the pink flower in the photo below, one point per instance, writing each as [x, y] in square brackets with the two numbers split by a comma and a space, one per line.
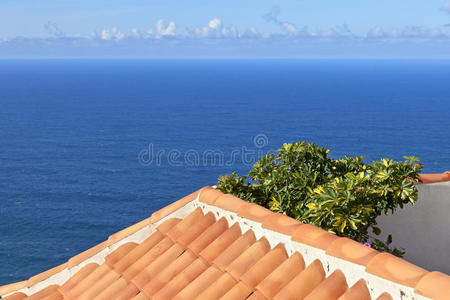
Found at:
[367, 245]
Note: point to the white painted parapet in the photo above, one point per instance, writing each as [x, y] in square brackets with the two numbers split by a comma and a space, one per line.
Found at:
[423, 229]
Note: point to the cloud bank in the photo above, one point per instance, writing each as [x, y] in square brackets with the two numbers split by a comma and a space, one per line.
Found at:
[218, 38]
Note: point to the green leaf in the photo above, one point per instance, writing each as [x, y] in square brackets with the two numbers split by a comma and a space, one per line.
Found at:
[376, 230]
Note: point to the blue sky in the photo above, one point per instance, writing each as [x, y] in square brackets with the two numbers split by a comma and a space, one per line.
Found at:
[245, 28]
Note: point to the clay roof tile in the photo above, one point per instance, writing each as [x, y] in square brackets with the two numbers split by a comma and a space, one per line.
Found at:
[167, 274]
[196, 256]
[6, 289]
[147, 258]
[304, 283]
[281, 223]
[435, 285]
[165, 211]
[313, 236]
[352, 251]
[120, 252]
[234, 250]
[46, 274]
[229, 202]
[77, 277]
[266, 265]
[209, 195]
[214, 249]
[253, 212]
[282, 275]
[86, 254]
[196, 229]
[329, 289]
[208, 236]
[139, 251]
[358, 291]
[15, 296]
[184, 225]
[180, 281]
[199, 284]
[49, 290]
[218, 288]
[161, 262]
[385, 296]
[395, 269]
[167, 225]
[239, 291]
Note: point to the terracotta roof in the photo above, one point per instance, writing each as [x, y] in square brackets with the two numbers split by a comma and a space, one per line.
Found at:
[209, 245]
[431, 178]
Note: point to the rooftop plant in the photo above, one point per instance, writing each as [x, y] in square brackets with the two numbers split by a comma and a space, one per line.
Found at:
[344, 196]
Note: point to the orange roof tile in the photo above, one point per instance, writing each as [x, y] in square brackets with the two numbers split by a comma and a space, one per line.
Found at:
[6, 289]
[302, 284]
[266, 265]
[434, 285]
[209, 195]
[86, 254]
[281, 223]
[239, 291]
[395, 269]
[282, 275]
[15, 296]
[229, 202]
[329, 289]
[253, 212]
[128, 231]
[218, 288]
[257, 295]
[313, 236]
[213, 250]
[385, 296]
[203, 254]
[431, 178]
[352, 251]
[358, 291]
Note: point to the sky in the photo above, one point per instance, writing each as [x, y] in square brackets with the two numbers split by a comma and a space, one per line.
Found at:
[225, 29]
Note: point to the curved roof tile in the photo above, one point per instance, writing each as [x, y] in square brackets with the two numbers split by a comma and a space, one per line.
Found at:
[203, 247]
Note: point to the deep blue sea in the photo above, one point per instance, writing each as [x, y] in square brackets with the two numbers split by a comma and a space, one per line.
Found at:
[90, 147]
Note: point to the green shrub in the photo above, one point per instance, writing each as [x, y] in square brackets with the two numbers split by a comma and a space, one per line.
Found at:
[343, 196]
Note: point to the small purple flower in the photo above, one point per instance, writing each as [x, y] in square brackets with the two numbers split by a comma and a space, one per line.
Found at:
[403, 249]
[387, 243]
[367, 245]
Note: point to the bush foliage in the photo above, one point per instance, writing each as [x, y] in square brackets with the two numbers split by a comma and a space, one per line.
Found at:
[343, 196]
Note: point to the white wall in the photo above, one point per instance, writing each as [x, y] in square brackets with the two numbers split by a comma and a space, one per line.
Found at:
[423, 229]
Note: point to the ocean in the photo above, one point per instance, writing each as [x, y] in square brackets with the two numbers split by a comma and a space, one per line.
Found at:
[89, 147]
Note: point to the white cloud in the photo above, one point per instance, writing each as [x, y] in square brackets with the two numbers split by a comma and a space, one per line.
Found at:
[112, 34]
[162, 30]
[446, 6]
[214, 29]
[376, 32]
[289, 28]
[215, 23]
[230, 31]
[53, 29]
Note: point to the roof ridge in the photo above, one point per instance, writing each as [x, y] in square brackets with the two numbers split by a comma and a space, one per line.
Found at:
[436, 177]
